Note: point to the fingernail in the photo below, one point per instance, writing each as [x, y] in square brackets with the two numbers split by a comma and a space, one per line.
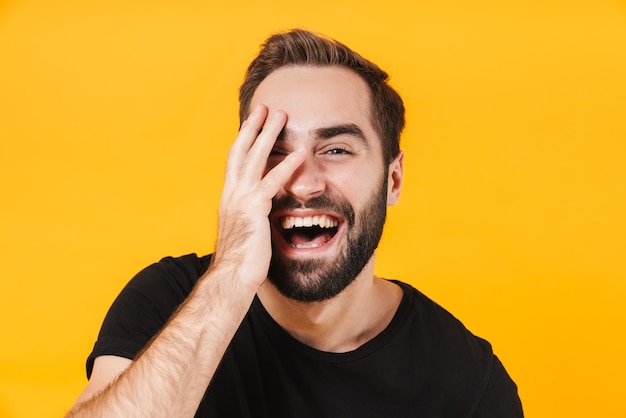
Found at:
[278, 114]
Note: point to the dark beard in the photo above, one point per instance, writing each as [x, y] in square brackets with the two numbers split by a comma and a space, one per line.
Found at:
[321, 279]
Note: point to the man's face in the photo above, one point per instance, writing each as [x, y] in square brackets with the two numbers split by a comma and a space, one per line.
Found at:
[328, 218]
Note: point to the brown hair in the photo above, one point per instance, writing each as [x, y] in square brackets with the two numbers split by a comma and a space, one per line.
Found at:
[301, 47]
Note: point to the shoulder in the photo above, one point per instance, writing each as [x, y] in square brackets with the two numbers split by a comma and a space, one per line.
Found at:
[455, 357]
[441, 330]
[145, 304]
[187, 267]
[446, 349]
[432, 317]
[169, 276]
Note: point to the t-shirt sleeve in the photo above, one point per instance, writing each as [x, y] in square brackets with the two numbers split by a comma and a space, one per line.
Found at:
[144, 306]
[500, 399]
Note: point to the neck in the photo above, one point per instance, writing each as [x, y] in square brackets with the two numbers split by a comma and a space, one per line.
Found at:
[340, 324]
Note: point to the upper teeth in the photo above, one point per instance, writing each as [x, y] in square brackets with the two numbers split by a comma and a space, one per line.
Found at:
[322, 221]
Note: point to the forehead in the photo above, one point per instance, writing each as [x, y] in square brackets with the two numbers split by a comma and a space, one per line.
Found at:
[315, 97]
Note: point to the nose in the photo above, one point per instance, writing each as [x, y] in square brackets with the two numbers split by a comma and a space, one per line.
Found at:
[306, 182]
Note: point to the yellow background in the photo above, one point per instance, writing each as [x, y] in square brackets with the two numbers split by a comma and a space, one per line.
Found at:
[116, 116]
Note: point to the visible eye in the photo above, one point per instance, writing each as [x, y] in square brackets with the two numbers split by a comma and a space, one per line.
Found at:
[337, 151]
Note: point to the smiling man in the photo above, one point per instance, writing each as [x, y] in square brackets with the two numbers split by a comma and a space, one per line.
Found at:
[286, 318]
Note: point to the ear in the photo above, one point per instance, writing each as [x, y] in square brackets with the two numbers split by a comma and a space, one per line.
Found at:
[394, 179]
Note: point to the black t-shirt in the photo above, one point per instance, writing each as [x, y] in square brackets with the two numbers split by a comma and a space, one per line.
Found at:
[424, 364]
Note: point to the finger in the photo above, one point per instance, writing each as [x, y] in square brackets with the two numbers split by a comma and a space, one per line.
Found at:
[256, 161]
[282, 172]
[248, 133]
[250, 128]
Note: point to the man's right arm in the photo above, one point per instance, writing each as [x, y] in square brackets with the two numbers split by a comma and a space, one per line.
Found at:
[169, 377]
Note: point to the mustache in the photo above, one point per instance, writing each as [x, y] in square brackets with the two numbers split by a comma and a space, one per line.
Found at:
[323, 202]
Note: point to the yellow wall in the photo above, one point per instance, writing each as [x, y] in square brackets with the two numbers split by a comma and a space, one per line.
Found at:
[115, 118]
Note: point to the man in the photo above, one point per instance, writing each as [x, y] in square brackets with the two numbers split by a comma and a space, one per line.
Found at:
[287, 318]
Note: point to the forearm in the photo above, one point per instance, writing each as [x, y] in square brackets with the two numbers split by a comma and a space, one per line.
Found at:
[171, 375]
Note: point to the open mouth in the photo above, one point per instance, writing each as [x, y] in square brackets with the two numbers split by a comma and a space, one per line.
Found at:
[308, 231]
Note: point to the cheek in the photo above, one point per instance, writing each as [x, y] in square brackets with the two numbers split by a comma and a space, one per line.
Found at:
[354, 188]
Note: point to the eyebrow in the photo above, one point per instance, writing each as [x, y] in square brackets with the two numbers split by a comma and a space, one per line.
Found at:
[329, 132]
